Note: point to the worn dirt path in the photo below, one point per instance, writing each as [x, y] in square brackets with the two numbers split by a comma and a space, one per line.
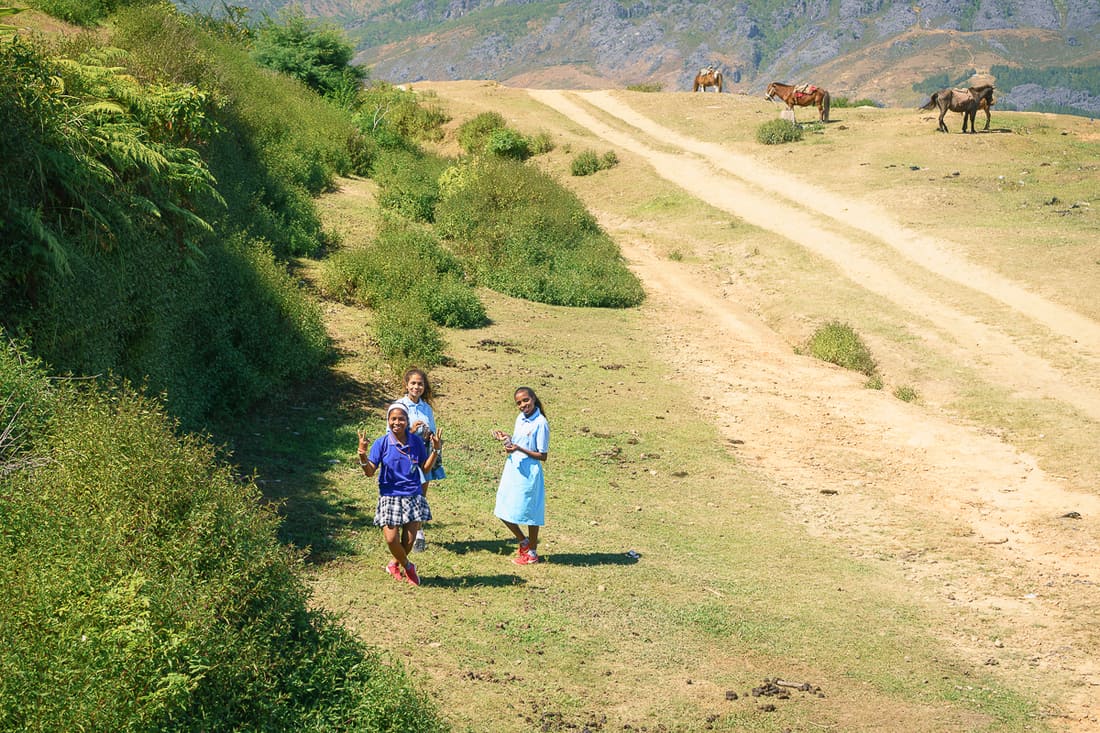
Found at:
[975, 523]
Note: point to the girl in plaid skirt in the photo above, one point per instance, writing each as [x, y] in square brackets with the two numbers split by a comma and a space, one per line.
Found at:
[399, 456]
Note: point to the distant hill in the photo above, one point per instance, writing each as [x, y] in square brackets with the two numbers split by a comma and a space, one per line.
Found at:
[871, 49]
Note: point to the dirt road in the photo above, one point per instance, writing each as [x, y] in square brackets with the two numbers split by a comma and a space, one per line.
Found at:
[974, 521]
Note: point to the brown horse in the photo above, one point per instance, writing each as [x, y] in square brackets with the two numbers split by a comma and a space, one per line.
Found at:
[967, 101]
[708, 77]
[803, 96]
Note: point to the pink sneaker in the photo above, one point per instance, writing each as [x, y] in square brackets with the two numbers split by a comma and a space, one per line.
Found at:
[527, 557]
[394, 570]
[410, 574]
[524, 546]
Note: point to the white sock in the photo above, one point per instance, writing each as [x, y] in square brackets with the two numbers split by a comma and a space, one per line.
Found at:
[419, 534]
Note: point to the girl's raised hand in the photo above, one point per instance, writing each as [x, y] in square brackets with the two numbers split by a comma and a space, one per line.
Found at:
[362, 441]
[437, 439]
[499, 435]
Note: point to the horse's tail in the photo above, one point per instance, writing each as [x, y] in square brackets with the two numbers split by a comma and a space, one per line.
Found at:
[931, 102]
[825, 107]
[718, 80]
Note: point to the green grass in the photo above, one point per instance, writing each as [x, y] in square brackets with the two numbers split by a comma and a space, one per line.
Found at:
[726, 590]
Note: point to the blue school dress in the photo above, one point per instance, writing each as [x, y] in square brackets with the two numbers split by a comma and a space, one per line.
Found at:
[521, 496]
[423, 411]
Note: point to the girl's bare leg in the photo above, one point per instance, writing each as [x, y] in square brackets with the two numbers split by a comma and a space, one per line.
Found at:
[393, 537]
[408, 535]
[533, 535]
[515, 530]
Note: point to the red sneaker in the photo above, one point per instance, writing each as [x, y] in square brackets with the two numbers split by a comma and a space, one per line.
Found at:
[524, 546]
[527, 557]
[410, 574]
[394, 570]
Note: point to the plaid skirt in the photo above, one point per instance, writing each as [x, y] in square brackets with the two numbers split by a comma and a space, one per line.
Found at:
[397, 511]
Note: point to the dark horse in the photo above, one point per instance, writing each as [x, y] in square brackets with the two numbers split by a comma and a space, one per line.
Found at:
[708, 77]
[967, 101]
[803, 96]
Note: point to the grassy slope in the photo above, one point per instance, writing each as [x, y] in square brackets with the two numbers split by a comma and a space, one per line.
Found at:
[726, 592]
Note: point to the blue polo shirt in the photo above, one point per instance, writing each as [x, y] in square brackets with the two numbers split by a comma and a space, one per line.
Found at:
[398, 465]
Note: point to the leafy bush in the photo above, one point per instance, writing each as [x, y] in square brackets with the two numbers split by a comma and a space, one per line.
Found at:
[407, 337]
[585, 163]
[507, 143]
[474, 133]
[451, 302]
[776, 132]
[644, 87]
[387, 268]
[409, 183]
[389, 118]
[519, 232]
[316, 54]
[838, 343]
[541, 143]
[145, 589]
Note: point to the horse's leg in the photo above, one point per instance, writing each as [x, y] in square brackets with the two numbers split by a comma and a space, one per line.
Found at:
[943, 113]
[987, 118]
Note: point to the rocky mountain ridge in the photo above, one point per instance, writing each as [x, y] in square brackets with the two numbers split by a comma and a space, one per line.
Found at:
[876, 49]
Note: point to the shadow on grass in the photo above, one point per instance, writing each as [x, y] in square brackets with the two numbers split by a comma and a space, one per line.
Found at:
[289, 443]
[587, 559]
[465, 547]
[474, 581]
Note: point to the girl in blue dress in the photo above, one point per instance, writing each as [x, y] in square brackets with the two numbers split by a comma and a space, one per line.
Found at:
[521, 496]
[398, 457]
[418, 403]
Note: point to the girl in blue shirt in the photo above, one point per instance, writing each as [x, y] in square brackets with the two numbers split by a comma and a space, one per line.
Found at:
[418, 403]
[521, 495]
[398, 457]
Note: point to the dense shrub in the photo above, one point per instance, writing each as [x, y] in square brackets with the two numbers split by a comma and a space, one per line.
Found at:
[408, 183]
[390, 119]
[474, 132]
[145, 590]
[838, 343]
[521, 233]
[586, 163]
[507, 143]
[405, 264]
[644, 87]
[776, 132]
[451, 302]
[407, 337]
[317, 54]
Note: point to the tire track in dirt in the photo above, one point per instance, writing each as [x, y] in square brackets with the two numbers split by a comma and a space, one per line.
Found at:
[790, 208]
[955, 508]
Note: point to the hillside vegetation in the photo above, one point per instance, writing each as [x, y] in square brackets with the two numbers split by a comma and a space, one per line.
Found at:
[148, 296]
